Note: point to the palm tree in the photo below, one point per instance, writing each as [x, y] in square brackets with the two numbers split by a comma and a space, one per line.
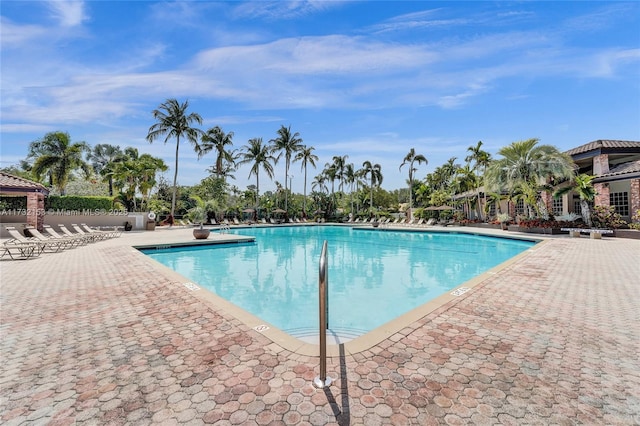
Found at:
[330, 173]
[174, 121]
[57, 157]
[339, 164]
[216, 138]
[147, 168]
[306, 156]
[527, 167]
[465, 180]
[410, 159]
[583, 186]
[350, 177]
[288, 144]
[481, 160]
[319, 184]
[375, 177]
[260, 156]
[103, 158]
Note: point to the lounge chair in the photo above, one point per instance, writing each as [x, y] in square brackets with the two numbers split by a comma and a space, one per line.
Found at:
[18, 239]
[236, 221]
[19, 251]
[60, 243]
[115, 231]
[87, 238]
[106, 234]
[75, 241]
[96, 236]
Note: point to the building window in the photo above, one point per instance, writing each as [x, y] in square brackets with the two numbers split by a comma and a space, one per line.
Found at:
[492, 210]
[620, 200]
[520, 207]
[557, 207]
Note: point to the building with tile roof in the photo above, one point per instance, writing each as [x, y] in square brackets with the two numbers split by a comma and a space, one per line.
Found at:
[616, 167]
[15, 186]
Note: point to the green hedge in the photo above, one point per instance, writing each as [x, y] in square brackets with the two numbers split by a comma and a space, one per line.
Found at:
[13, 203]
[73, 202]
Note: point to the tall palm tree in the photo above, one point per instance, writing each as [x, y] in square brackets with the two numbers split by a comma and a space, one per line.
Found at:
[174, 121]
[410, 159]
[147, 170]
[55, 156]
[350, 177]
[583, 186]
[526, 166]
[306, 156]
[103, 158]
[289, 144]
[216, 138]
[339, 164]
[331, 175]
[259, 156]
[374, 171]
[319, 183]
[481, 160]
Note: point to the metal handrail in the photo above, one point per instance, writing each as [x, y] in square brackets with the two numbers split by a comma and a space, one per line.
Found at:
[322, 380]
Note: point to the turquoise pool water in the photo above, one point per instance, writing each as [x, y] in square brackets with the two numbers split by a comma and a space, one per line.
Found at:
[373, 276]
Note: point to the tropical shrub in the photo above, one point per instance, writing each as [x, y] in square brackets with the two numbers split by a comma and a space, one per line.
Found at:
[605, 217]
[635, 223]
[555, 224]
[571, 217]
[503, 218]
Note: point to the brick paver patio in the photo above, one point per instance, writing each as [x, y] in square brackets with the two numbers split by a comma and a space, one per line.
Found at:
[101, 335]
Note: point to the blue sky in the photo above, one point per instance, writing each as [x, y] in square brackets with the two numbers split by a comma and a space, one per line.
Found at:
[365, 79]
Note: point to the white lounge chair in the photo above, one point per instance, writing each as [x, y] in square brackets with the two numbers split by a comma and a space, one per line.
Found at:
[60, 243]
[18, 239]
[74, 241]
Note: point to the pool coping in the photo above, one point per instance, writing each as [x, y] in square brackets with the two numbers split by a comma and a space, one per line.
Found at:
[283, 341]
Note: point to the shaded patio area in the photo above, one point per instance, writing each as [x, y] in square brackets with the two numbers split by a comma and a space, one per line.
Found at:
[102, 335]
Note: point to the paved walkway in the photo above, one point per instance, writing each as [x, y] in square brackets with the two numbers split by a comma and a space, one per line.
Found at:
[101, 335]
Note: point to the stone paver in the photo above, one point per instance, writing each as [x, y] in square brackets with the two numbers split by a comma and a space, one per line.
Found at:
[101, 335]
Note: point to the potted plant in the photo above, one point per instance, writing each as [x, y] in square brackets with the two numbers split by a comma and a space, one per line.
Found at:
[504, 220]
[198, 214]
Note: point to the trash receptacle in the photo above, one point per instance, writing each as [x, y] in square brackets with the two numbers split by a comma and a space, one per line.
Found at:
[151, 225]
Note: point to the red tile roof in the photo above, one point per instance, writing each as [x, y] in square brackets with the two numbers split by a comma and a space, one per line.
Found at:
[10, 183]
[603, 144]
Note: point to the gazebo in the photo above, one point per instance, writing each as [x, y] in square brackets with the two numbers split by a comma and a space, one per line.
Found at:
[15, 186]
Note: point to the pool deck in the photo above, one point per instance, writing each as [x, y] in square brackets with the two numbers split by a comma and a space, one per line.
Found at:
[101, 334]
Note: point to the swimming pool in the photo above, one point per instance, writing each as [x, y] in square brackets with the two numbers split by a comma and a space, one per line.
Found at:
[373, 276]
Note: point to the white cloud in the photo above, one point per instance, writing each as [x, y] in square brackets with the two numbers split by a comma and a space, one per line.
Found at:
[15, 35]
[68, 13]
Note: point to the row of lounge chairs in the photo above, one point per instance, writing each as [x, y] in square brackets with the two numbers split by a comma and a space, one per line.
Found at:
[24, 247]
[235, 221]
[397, 221]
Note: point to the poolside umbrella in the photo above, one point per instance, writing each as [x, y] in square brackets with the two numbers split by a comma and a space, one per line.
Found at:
[248, 211]
[279, 211]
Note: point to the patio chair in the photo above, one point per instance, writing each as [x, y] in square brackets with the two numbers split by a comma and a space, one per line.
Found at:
[75, 241]
[106, 234]
[18, 238]
[96, 236]
[60, 243]
[236, 221]
[19, 251]
[87, 238]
